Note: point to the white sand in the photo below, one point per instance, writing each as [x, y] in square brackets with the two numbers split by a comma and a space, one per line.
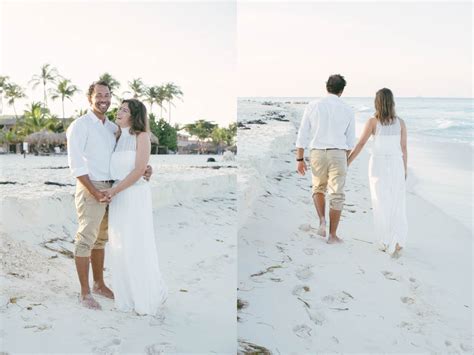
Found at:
[303, 295]
[195, 222]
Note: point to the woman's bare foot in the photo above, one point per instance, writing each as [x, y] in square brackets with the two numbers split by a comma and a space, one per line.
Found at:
[322, 230]
[397, 253]
[103, 290]
[89, 302]
[333, 239]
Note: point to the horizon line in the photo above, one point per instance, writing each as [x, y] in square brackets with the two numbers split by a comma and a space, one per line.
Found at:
[364, 97]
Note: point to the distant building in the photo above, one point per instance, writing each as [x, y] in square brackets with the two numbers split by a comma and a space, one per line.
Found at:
[188, 144]
[7, 122]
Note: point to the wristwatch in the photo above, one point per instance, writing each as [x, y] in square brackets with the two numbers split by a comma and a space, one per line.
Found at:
[300, 159]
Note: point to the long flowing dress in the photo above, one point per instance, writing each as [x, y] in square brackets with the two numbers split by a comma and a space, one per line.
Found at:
[387, 186]
[136, 278]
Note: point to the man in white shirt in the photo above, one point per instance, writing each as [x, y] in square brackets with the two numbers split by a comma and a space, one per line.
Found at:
[328, 130]
[91, 141]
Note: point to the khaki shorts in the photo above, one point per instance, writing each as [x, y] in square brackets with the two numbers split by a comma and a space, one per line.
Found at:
[93, 218]
[329, 168]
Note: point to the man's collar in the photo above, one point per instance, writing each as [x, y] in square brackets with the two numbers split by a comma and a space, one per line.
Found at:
[94, 117]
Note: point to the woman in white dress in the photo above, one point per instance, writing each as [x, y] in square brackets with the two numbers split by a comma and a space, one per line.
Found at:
[387, 172]
[136, 278]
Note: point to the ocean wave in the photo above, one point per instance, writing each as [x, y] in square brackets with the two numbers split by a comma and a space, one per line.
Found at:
[362, 108]
[450, 124]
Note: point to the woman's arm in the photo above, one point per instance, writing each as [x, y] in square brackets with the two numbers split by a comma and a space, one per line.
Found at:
[403, 143]
[141, 161]
[368, 130]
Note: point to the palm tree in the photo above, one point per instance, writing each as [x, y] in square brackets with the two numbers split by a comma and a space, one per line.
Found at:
[36, 118]
[14, 92]
[65, 90]
[160, 98]
[172, 91]
[154, 94]
[3, 86]
[111, 81]
[48, 75]
[137, 87]
[201, 129]
[231, 133]
[219, 136]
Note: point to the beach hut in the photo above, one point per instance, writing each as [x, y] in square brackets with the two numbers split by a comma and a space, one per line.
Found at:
[155, 143]
[43, 142]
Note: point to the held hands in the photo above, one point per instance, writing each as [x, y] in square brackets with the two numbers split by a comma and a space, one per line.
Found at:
[148, 173]
[99, 196]
[108, 195]
[301, 167]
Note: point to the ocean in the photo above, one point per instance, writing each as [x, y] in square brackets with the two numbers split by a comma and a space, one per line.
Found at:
[432, 119]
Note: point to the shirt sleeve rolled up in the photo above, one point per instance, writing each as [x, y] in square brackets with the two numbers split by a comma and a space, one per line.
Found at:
[304, 132]
[76, 142]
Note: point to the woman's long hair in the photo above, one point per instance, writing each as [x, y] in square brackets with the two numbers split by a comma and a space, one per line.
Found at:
[138, 116]
[385, 106]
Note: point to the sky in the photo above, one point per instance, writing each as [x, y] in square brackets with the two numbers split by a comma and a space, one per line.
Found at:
[414, 48]
[192, 44]
[218, 51]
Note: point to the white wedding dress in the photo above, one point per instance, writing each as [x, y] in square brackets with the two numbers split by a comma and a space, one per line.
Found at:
[387, 186]
[136, 278]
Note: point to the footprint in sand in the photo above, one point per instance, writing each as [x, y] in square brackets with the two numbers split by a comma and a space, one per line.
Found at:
[110, 347]
[302, 331]
[304, 273]
[157, 320]
[308, 251]
[300, 289]
[317, 317]
[338, 297]
[410, 327]
[159, 348]
[407, 300]
[414, 283]
[305, 227]
[390, 276]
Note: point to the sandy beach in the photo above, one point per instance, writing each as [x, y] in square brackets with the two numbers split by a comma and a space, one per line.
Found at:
[195, 215]
[298, 294]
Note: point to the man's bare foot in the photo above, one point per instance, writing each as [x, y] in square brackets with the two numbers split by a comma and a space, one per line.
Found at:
[89, 302]
[334, 239]
[103, 291]
[322, 230]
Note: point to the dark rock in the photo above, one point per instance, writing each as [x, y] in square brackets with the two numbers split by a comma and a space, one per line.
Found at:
[56, 183]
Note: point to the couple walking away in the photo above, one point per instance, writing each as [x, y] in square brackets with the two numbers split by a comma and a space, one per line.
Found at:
[113, 199]
[328, 129]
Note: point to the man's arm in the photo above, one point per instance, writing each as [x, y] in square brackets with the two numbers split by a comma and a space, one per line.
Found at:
[76, 142]
[350, 133]
[302, 140]
[301, 164]
[98, 195]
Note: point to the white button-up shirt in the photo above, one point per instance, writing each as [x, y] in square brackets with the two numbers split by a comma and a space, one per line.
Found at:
[327, 123]
[90, 144]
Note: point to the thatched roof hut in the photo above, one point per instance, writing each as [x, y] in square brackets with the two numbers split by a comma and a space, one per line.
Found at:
[46, 137]
[153, 138]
